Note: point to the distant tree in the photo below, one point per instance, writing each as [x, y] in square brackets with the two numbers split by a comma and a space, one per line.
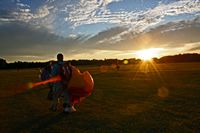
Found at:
[3, 63]
[180, 58]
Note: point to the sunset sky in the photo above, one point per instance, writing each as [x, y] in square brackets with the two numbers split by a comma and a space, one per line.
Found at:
[36, 30]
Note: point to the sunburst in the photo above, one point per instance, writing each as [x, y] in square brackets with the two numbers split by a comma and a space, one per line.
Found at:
[148, 54]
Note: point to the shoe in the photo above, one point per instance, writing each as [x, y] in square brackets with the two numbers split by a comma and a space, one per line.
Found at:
[66, 110]
[69, 109]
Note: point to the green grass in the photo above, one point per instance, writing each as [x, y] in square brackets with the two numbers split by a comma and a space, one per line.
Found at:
[127, 100]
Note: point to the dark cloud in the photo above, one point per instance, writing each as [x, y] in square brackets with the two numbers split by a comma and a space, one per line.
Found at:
[170, 35]
[22, 39]
[176, 34]
[99, 42]
[106, 34]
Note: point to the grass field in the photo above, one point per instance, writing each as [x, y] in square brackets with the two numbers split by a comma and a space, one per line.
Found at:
[137, 98]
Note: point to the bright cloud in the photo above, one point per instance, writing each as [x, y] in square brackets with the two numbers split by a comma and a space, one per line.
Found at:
[89, 12]
[93, 11]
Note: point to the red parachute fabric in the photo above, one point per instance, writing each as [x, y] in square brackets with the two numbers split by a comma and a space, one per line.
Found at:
[80, 85]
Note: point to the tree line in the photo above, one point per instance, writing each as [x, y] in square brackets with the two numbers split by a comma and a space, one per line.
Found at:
[179, 58]
[166, 59]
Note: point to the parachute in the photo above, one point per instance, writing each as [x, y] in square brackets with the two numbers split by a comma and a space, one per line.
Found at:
[80, 85]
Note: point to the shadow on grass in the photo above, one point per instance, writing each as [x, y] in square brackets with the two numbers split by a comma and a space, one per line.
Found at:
[41, 123]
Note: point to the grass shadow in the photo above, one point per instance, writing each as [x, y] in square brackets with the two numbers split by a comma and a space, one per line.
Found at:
[41, 123]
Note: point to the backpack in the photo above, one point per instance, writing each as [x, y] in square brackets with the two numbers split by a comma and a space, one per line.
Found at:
[65, 72]
[45, 73]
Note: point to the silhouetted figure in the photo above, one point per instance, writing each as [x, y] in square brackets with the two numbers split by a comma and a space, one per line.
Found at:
[59, 88]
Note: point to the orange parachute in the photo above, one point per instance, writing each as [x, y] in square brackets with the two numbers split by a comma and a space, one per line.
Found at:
[80, 85]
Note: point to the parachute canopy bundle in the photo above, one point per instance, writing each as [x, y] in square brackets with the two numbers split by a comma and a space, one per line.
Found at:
[80, 85]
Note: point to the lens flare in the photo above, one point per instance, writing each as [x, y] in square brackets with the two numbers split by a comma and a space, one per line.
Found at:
[30, 85]
[125, 62]
[51, 80]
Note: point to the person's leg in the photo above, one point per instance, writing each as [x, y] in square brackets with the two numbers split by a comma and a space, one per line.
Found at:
[55, 95]
[66, 99]
[50, 93]
[67, 103]
[54, 102]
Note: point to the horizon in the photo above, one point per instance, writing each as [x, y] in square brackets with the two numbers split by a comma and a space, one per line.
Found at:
[98, 29]
[143, 60]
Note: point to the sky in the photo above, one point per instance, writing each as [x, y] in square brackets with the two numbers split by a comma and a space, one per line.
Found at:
[36, 30]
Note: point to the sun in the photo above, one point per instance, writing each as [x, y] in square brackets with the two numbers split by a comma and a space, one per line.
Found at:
[148, 54]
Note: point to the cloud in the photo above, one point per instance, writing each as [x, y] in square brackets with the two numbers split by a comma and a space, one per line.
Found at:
[193, 47]
[5, 15]
[139, 21]
[170, 35]
[106, 34]
[25, 14]
[21, 5]
[93, 11]
[43, 11]
[52, 14]
[87, 12]
[21, 12]
[20, 39]
[99, 54]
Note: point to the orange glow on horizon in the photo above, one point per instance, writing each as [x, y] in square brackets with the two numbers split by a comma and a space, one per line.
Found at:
[148, 54]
